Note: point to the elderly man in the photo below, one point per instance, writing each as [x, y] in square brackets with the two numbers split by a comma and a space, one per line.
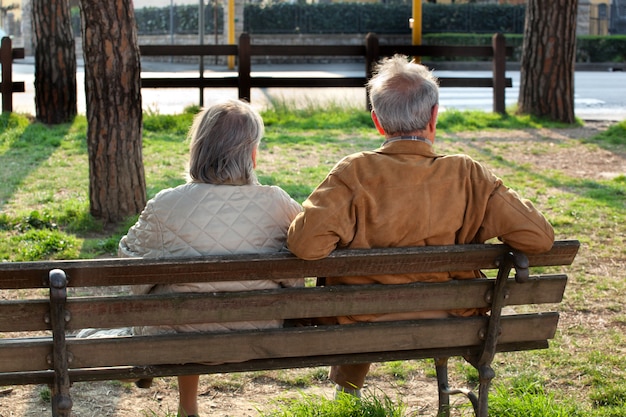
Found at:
[405, 194]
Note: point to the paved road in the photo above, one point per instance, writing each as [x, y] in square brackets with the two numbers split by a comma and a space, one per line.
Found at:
[598, 95]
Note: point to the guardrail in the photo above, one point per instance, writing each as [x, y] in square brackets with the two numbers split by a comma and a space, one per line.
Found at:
[371, 52]
[8, 86]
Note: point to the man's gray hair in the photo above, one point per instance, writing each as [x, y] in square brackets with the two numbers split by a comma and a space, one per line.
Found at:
[402, 94]
[223, 137]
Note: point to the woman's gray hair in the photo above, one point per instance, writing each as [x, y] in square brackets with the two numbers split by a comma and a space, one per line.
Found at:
[223, 138]
[402, 94]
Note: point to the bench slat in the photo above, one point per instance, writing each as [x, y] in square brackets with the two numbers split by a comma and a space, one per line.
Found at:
[380, 337]
[87, 273]
[305, 303]
[24, 316]
[133, 372]
[292, 342]
[125, 311]
[25, 354]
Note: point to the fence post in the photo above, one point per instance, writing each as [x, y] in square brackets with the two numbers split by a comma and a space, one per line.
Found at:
[498, 44]
[244, 67]
[6, 63]
[371, 56]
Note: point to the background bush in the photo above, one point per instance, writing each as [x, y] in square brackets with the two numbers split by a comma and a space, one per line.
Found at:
[388, 18]
[443, 24]
[601, 48]
[381, 18]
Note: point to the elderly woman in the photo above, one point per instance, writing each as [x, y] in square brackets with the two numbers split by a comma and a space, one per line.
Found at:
[222, 209]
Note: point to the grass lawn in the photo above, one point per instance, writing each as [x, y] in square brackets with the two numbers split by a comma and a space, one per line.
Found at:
[577, 179]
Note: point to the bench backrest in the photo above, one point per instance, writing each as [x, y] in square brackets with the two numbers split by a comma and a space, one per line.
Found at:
[278, 348]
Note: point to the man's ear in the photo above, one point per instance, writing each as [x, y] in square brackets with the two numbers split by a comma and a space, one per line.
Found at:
[377, 124]
[434, 112]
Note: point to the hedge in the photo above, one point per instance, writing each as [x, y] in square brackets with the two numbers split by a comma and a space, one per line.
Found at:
[601, 48]
[388, 18]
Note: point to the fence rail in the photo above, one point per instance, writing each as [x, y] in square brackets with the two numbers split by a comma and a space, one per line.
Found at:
[371, 52]
[8, 87]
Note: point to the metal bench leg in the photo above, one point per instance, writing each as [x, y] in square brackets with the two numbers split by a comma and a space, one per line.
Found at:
[61, 399]
[485, 375]
[483, 361]
[441, 367]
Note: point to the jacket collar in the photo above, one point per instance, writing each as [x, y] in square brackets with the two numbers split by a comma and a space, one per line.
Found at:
[407, 146]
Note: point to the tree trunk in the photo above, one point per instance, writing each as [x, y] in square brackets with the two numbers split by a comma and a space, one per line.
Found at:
[55, 62]
[548, 56]
[117, 186]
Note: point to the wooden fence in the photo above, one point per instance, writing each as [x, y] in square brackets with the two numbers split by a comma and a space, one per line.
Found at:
[8, 87]
[371, 52]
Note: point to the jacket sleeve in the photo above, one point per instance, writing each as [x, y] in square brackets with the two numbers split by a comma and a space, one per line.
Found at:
[326, 222]
[143, 240]
[516, 222]
[292, 208]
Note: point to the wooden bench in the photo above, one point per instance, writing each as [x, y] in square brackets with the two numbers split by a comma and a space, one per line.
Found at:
[50, 355]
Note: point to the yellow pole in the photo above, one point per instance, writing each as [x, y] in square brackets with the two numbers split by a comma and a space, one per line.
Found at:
[416, 28]
[231, 31]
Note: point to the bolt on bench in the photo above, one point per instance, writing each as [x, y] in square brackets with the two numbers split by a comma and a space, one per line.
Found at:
[52, 356]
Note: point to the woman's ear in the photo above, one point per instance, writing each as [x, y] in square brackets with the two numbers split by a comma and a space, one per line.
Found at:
[254, 157]
[377, 124]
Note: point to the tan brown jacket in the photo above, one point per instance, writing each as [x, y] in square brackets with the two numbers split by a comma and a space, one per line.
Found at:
[403, 194]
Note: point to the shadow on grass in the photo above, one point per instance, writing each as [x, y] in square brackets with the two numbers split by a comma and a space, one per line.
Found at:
[609, 193]
[25, 151]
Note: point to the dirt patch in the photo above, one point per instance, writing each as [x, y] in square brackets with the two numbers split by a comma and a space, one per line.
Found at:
[573, 158]
[242, 396]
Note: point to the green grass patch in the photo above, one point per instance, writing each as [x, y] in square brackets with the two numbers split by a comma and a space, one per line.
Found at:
[614, 135]
[345, 405]
[527, 397]
[472, 120]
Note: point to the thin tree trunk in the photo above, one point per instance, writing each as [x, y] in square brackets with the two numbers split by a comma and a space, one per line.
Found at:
[547, 68]
[113, 97]
[55, 62]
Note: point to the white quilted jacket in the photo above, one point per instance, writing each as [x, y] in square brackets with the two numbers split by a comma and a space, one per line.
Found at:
[197, 219]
